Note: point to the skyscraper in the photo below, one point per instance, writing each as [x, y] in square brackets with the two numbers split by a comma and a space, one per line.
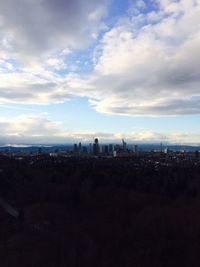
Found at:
[75, 148]
[123, 145]
[80, 147]
[96, 147]
[111, 148]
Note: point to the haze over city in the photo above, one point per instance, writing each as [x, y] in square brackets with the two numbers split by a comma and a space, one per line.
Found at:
[75, 70]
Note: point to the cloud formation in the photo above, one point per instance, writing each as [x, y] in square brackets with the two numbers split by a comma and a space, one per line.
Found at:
[35, 39]
[146, 64]
[31, 129]
[35, 28]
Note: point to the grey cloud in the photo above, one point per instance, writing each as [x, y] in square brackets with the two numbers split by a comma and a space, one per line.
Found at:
[150, 74]
[37, 27]
[23, 88]
[154, 72]
[34, 31]
[179, 107]
[9, 94]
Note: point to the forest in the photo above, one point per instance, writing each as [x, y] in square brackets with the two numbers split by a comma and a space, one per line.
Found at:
[129, 211]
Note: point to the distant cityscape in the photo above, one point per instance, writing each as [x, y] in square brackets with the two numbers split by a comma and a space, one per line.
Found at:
[97, 149]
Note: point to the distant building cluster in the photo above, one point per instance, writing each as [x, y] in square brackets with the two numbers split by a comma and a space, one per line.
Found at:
[97, 149]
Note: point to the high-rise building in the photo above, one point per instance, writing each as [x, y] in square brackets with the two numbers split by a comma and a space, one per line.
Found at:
[105, 149]
[80, 147]
[166, 150]
[75, 148]
[117, 148]
[111, 148]
[96, 148]
[161, 147]
[84, 149]
[123, 145]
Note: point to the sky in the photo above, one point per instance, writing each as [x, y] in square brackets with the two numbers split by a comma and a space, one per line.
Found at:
[72, 70]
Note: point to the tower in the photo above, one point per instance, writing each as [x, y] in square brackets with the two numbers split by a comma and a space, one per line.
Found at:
[75, 148]
[96, 148]
[123, 145]
[80, 147]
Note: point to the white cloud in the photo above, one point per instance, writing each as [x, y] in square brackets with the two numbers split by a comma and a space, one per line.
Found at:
[32, 87]
[32, 129]
[36, 37]
[147, 64]
[56, 63]
[28, 125]
[136, 6]
[147, 68]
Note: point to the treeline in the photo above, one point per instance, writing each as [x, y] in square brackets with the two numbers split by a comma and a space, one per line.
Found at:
[40, 178]
[100, 212]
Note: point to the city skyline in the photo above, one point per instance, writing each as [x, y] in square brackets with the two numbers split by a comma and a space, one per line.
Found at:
[75, 70]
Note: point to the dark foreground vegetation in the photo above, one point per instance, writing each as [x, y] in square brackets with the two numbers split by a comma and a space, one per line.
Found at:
[100, 212]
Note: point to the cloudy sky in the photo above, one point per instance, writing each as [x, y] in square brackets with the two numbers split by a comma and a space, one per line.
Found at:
[71, 70]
